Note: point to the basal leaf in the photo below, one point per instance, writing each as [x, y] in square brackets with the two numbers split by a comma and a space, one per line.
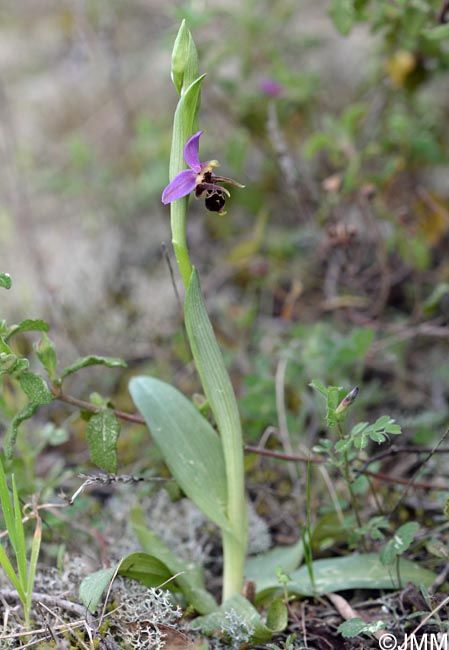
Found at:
[190, 446]
[189, 577]
[92, 587]
[147, 569]
[356, 572]
[239, 607]
[262, 568]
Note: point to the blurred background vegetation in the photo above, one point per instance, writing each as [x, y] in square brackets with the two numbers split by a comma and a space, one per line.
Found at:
[331, 264]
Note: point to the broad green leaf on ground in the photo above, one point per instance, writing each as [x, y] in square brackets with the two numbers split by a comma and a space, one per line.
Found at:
[102, 432]
[356, 572]
[239, 607]
[147, 569]
[190, 579]
[93, 360]
[190, 446]
[93, 586]
[341, 573]
[261, 569]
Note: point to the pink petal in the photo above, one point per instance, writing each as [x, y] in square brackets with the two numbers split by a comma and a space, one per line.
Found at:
[182, 184]
[191, 152]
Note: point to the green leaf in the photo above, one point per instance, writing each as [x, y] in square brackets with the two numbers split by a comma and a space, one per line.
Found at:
[217, 386]
[8, 362]
[190, 446]
[103, 430]
[35, 388]
[5, 281]
[356, 572]
[93, 360]
[147, 569]
[29, 325]
[401, 541]
[184, 63]
[190, 579]
[9, 570]
[46, 353]
[247, 613]
[220, 394]
[342, 15]
[319, 387]
[332, 396]
[7, 505]
[19, 537]
[356, 626]
[34, 556]
[183, 125]
[24, 414]
[92, 587]
[440, 33]
[261, 569]
[351, 572]
[277, 615]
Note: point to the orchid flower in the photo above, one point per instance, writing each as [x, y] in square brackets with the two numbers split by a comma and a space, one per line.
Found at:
[200, 178]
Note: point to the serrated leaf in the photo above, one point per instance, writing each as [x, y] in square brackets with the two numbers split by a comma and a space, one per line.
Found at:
[35, 388]
[25, 413]
[189, 577]
[93, 586]
[5, 281]
[190, 446]
[28, 325]
[93, 360]
[103, 430]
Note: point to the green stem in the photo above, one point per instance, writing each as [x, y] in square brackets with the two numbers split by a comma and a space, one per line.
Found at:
[178, 228]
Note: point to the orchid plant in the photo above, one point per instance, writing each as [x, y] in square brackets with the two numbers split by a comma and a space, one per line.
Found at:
[209, 467]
